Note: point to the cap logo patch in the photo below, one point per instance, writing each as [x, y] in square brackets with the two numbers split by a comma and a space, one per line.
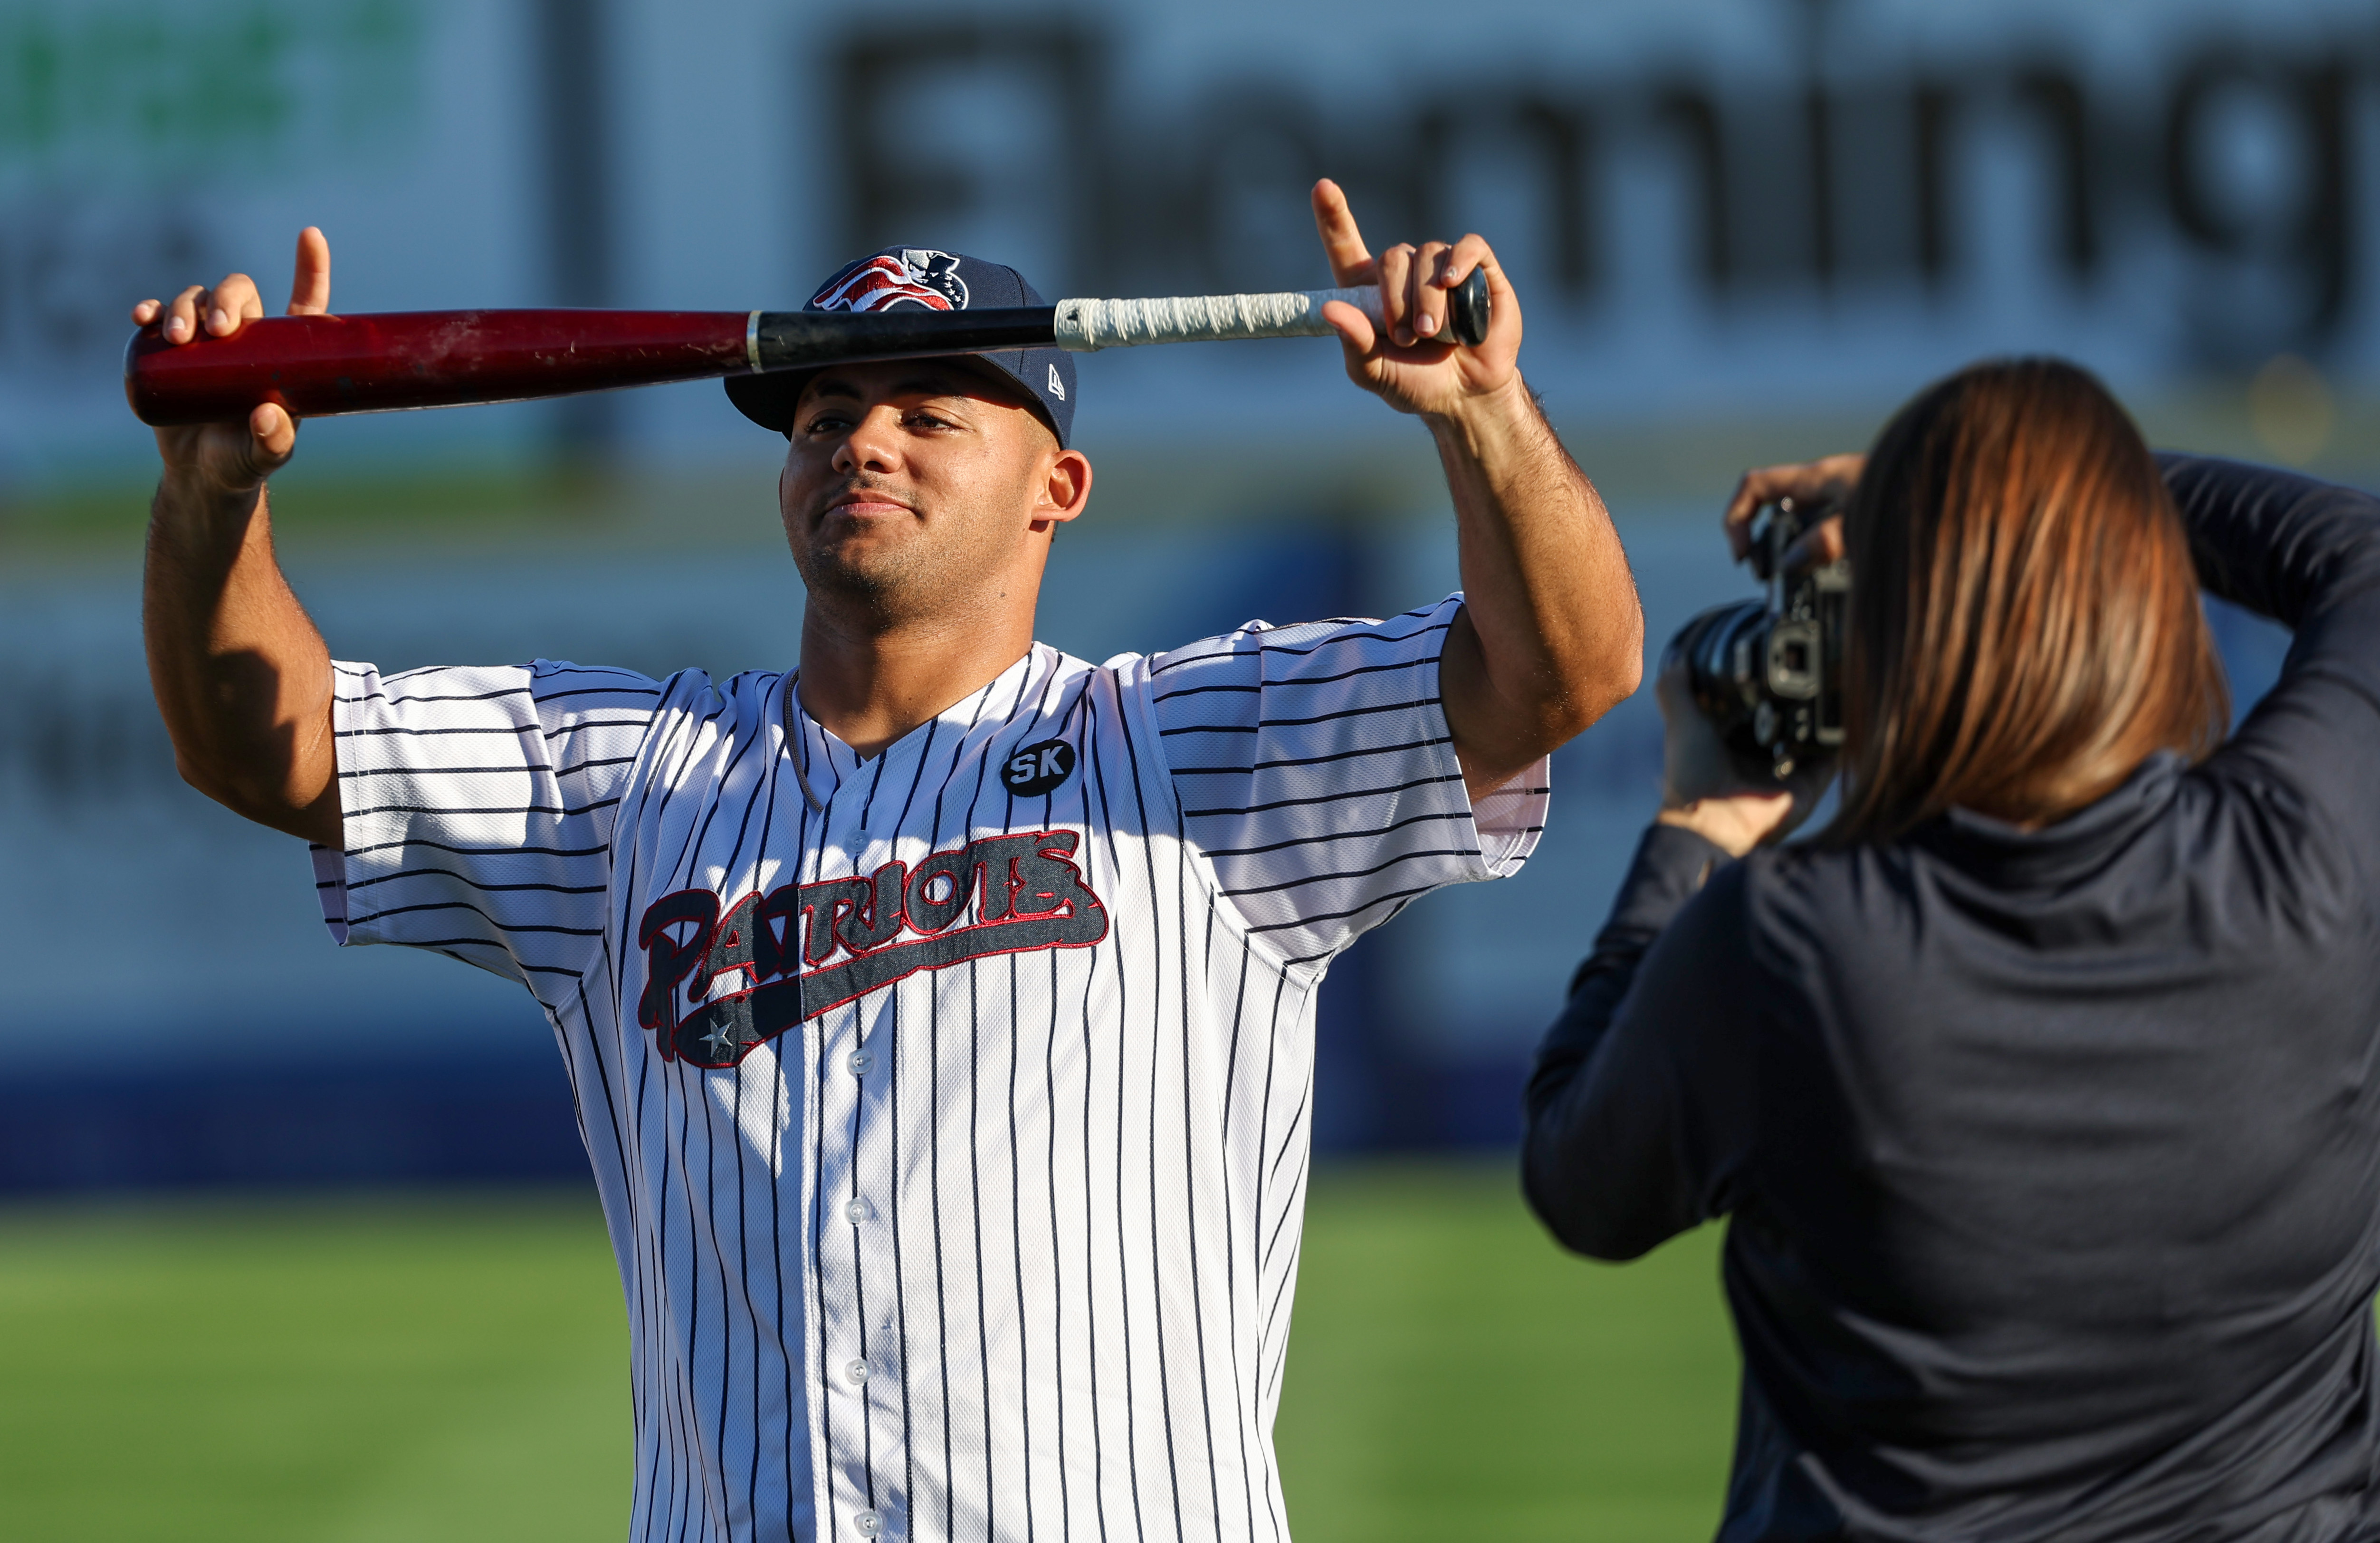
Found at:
[1057, 386]
[917, 276]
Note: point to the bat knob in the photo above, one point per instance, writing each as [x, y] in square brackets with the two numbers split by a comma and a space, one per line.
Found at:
[1466, 310]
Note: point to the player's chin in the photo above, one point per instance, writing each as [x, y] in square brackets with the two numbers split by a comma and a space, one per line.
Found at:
[859, 560]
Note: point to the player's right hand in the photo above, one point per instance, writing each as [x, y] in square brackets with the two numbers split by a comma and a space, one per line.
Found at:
[236, 457]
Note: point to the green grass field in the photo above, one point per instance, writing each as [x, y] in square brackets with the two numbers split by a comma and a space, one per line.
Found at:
[346, 1369]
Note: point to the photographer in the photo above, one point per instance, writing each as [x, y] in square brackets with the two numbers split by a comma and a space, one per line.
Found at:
[2043, 1086]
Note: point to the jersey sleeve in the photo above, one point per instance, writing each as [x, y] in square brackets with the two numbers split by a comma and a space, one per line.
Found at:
[478, 805]
[1316, 773]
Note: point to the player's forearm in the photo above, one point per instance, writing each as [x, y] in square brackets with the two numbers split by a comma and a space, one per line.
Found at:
[1554, 637]
[242, 678]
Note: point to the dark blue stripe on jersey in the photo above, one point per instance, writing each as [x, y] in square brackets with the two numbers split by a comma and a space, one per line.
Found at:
[480, 885]
[518, 808]
[1369, 833]
[1283, 685]
[1338, 716]
[1351, 873]
[1404, 747]
[543, 697]
[1337, 916]
[524, 769]
[411, 701]
[1256, 642]
[1327, 799]
[478, 851]
[506, 928]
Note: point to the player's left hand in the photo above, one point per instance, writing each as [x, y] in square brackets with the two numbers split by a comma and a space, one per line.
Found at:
[1407, 364]
[236, 457]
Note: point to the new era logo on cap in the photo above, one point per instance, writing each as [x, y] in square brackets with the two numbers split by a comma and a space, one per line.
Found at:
[930, 279]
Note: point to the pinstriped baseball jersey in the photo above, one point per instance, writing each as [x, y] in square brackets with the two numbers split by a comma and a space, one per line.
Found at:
[949, 1108]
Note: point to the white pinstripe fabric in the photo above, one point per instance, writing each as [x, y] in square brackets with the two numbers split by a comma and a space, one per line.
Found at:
[1021, 1269]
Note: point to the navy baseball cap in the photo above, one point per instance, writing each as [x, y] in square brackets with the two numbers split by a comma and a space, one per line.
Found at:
[930, 279]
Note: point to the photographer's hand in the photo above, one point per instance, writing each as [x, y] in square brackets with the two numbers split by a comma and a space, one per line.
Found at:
[1829, 480]
[1703, 791]
[1702, 788]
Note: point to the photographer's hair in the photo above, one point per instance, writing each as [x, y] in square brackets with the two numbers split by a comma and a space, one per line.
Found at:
[2026, 624]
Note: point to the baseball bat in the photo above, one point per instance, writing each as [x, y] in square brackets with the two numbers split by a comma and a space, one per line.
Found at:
[322, 366]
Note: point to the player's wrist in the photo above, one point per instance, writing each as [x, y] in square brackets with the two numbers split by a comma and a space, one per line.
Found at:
[211, 463]
[193, 492]
[1476, 424]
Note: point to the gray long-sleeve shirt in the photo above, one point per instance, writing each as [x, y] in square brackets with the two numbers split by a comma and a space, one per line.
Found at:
[2052, 1158]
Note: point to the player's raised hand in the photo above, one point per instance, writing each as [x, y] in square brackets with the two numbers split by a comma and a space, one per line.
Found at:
[1404, 363]
[236, 457]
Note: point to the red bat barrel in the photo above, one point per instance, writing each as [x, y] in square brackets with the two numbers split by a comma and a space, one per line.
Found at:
[317, 366]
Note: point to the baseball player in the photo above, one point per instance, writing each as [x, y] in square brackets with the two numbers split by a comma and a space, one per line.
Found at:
[940, 1011]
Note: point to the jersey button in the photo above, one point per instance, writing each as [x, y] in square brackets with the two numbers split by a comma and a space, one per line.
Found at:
[860, 1062]
[858, 1212]
[868, 1523]
[857, 1371]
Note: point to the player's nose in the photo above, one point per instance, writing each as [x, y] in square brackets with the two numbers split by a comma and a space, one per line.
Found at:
[873, 444]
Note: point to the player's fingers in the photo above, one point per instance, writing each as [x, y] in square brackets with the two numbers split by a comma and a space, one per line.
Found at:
[1425, 302]
[310, 288]
[1473, 253]
[1396, 270]
[146, 312]
[235, 301]
[1342, 243]
[182, 314]
[1355, 328]
[1470, 255]
[1462, 257]
[272, 434]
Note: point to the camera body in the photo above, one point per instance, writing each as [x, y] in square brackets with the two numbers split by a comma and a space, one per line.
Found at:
[1768, 672]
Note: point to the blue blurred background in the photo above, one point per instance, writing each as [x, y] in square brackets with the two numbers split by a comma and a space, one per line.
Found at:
[1741, 230]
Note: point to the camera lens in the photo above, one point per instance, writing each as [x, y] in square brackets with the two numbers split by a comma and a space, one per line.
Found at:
[1726, 653]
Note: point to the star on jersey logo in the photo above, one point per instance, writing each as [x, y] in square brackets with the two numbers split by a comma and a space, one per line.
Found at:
[722, 1037]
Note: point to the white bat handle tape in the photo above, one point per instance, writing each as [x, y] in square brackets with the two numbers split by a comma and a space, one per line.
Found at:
[1084, 326]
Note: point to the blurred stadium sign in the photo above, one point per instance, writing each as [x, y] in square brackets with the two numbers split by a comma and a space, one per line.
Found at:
[1712, 208]
[1708, 202]
[1839, 167]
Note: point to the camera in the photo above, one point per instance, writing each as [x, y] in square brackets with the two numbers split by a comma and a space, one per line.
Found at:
[1768, 672]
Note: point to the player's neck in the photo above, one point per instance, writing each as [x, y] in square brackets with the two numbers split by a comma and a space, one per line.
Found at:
[868, 684]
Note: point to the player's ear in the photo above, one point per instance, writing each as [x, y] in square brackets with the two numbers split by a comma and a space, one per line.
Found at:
[1066, 488]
